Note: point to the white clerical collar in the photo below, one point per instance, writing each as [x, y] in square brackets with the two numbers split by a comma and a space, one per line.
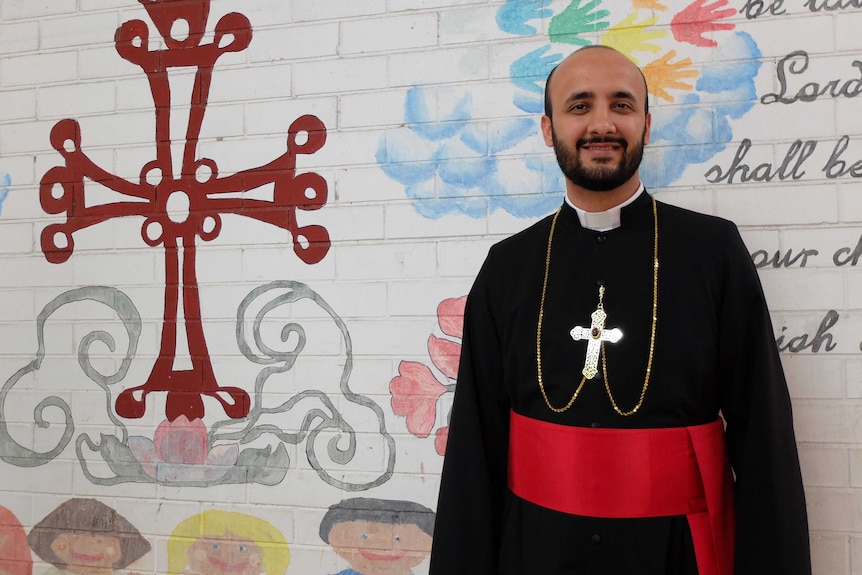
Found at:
[607, 220]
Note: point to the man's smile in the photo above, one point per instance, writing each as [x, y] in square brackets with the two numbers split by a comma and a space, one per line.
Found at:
[602, 145]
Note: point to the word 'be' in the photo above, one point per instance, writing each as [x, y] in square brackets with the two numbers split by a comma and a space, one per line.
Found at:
[757, 8]
[791, 167]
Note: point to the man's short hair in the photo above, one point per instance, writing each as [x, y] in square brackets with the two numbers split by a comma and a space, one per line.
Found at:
[548, 108]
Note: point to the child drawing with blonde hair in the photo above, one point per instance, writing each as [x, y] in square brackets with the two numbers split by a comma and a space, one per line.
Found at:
[227, 543]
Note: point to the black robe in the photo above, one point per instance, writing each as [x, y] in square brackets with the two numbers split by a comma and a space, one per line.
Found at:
[714, 352]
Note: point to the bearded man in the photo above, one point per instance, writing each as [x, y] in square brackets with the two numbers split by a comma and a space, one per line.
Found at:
[621, 407]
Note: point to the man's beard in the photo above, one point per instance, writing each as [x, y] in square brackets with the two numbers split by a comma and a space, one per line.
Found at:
[601, 178]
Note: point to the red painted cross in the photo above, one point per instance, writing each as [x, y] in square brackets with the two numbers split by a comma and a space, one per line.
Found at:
[198, 191]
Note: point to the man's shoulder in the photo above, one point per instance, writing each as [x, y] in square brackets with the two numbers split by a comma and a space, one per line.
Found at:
[696, 221]
[507, 258]
[526, 238]
[696, 236]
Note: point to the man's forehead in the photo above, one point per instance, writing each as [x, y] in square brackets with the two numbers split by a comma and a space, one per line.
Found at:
[597, 69]
[603, 54]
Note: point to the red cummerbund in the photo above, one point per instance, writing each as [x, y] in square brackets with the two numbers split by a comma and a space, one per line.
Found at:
[630, 473]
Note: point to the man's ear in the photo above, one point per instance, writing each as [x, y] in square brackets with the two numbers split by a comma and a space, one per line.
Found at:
[547, 129]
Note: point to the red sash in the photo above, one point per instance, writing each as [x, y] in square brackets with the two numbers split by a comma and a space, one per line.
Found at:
[631, 473]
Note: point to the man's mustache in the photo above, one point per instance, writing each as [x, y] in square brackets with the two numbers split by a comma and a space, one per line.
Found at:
[605, 140]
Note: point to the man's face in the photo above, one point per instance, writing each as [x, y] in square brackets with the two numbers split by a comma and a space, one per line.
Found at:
[604, 173]
[599, 125]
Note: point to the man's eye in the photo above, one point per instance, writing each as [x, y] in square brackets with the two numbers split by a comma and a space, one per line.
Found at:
[215, 546]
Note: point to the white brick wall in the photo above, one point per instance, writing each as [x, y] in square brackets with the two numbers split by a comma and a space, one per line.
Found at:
[83, 30]
[16, 9]
[44, 68]
[18, 36]
[389, 34]
[440, 66]
[353, 65]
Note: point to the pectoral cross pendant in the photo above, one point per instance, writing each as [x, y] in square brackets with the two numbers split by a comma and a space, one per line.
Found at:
[595, 335]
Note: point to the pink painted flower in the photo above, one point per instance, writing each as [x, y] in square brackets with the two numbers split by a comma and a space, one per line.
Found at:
[179, 453]
[416, 390]
[445, 355]
[450, 316]
[440, 439]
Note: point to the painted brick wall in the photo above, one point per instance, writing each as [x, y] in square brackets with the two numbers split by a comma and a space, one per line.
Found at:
[432, 153]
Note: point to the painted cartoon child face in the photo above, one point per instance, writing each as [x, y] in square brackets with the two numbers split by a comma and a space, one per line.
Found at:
[226, 554]
[380, 548]
[85, 552]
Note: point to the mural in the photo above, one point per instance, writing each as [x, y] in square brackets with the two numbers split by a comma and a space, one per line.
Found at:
[86, 537]
[450, 163]
[5, 182]
[378, 536]
[180, 206]
[185, 452]
[416, 390]
[154, 417]
[227, 543]
[14, 552]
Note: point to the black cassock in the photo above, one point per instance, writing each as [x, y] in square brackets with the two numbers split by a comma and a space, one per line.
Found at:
[714, 352]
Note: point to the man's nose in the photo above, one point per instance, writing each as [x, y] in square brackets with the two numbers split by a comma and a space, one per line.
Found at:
[601, 122]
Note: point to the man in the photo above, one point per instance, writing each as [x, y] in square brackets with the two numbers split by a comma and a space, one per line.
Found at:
[600, 346]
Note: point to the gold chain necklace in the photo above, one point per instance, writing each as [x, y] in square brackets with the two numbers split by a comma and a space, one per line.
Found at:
[604, 356]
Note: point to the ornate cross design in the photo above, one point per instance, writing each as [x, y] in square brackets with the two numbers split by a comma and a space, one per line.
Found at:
[179, 209]
[595, 336]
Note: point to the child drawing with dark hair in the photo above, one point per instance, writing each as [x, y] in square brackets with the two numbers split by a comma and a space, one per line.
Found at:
[14, 553]
[86, 537]
[378, 536]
